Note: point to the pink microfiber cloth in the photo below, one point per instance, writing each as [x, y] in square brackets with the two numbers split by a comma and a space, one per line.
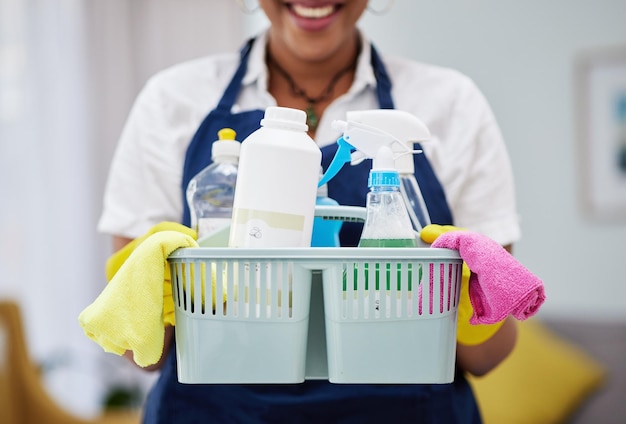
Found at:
[499, 285]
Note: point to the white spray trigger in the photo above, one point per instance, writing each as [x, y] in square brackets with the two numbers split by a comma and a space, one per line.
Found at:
[359, 142]
[367, 139]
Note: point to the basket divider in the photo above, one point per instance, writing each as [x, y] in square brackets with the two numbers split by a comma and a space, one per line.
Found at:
[286, 307]
[280, 275]
[424, 290]
[187, 288]
[357, 290]
[407, 287]
[197, 289]
[244, 288]
[175, 272]
[348, 295]
[367, 289]
[394, 298]
[221, 282]
[264, 288]
[442, 283]
[457, 287]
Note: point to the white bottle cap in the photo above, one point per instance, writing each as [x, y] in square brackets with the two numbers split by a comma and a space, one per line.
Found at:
[383, 173]
[225, 145]
[286, 118]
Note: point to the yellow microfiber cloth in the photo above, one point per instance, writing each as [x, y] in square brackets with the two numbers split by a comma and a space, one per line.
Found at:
[466, 333]
[116, 260]
[133, 309]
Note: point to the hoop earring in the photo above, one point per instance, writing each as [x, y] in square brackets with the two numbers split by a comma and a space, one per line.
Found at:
[380, 11]
[243, 6]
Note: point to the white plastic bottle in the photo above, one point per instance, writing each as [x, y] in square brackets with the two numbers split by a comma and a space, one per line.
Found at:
[210, 193]
[279, 164]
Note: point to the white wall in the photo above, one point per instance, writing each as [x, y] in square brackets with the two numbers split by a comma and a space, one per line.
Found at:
[522, 54]
[69, 71]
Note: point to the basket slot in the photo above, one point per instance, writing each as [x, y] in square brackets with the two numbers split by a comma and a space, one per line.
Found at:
[176, 280]
[250, 290]
[441, 294]
[398, 289]
[375, 289]
[197, 301]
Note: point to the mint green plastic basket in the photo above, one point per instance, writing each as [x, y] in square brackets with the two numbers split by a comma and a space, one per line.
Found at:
[348, 315]
[286, 315]
[391, 315]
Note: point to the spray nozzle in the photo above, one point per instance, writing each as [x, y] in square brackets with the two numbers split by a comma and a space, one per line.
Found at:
[343, 155]
[359, 142]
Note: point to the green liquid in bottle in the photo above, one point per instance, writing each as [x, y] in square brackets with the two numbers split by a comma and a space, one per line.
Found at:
[410, 242]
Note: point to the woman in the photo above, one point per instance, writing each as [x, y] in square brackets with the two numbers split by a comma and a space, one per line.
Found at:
[313, 58]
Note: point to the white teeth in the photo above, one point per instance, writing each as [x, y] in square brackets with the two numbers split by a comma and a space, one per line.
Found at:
[312, 12]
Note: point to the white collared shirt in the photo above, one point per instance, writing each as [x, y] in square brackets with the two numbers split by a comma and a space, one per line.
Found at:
[466, 149]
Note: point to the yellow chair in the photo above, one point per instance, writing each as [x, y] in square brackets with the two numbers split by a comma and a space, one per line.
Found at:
[23, 398]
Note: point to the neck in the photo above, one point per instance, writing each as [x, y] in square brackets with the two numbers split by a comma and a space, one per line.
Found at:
[308, 84]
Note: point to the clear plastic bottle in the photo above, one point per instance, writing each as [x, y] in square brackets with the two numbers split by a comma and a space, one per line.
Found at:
[387, 224]
[412, 194]
[210, 193]
[274, 203]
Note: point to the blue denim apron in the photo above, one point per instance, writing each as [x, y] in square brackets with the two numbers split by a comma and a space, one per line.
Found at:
[313, 401]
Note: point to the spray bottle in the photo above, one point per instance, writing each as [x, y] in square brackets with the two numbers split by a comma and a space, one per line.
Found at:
[274, 202]
[325, 231]
[387, 222]
[404, 129]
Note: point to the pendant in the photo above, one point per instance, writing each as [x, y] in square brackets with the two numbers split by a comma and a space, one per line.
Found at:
[311, 117]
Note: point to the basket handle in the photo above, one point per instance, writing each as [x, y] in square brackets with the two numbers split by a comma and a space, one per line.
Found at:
[341, 213]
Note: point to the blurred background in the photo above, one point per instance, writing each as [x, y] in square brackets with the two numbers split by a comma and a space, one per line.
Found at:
[553, 71]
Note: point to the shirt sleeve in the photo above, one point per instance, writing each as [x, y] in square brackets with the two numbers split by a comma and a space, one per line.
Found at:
[482, 194]
[143, 187]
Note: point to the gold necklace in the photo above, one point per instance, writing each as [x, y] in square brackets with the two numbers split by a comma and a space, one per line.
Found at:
[312, 118]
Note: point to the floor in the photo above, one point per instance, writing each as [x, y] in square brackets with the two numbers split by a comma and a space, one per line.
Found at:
[607, 344]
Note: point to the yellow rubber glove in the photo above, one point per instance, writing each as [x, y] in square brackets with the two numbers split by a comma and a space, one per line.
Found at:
[467, 333]
[116, 260]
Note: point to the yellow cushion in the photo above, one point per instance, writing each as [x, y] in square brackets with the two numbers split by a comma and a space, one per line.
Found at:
[544, 380]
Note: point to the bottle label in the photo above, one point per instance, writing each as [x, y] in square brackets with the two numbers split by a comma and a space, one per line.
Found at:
[257, 228]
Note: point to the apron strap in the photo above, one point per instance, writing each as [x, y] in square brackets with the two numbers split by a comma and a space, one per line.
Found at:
[231, 92]
[383, 82]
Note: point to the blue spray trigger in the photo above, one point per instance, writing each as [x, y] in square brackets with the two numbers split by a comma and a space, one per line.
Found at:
[343, 155]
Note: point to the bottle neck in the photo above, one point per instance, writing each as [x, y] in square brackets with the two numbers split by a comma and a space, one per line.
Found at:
[385, 188]
[226, 159]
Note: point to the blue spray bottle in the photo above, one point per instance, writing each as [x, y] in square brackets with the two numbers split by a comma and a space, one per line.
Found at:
[325, 231]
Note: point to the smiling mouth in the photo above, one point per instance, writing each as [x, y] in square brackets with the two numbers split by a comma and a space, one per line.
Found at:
[313, 12]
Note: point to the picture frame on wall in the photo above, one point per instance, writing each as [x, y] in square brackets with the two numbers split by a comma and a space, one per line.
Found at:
[601, 116]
